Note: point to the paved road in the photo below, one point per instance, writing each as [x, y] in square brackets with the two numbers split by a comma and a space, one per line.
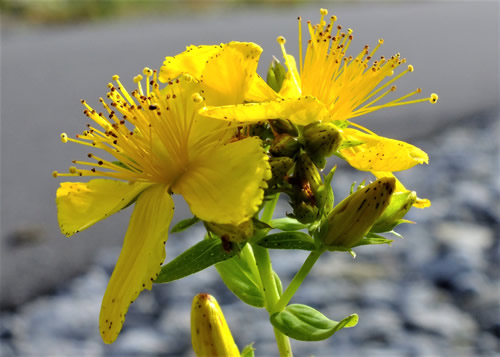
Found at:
[45, 72]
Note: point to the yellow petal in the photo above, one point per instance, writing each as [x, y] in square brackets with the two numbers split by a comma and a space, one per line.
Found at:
[259, 90]
[226, 72]
[226, 77]
[300, 111]
[192, 61]
[291, 87]
[381, 154]
[81, 204]
[140, 259]
[419, 203]
[226, 183]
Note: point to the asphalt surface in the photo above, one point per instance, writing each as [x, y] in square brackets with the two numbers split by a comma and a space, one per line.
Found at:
[46, 71]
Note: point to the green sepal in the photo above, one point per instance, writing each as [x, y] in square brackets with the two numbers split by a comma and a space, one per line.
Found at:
[287, 224]
[304, 323]
[248, 351]
[346, 144]
[325, 194]
[373, 239]
[287, 240]
[276, 75]
[259, 225]
[240, 274]
[184, 224]
[197, 258]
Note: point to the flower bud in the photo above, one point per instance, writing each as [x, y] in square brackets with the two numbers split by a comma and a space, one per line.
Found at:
[284, 145]
[280, 166]
[305, 212]
[210, 334]
[284, 127]
[307, 172]
[351, 219]
[276, 75]
[322, 139]
[232, 233]
[400, 204]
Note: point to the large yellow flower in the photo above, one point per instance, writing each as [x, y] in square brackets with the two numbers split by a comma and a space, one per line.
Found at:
[153, 143]
[333, 86]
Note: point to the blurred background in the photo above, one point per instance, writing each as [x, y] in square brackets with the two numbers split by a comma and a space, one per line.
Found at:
[435, 293]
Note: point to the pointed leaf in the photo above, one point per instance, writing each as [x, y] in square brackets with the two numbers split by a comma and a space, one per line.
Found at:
[199, 257]
[288, 240]
[304, 323]
[240, 274]
[184, 224]
[287, 224]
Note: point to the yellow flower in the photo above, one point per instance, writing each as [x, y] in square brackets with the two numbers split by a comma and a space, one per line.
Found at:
[210, 334]
[153, 143]
[332, 86]
[226, 72]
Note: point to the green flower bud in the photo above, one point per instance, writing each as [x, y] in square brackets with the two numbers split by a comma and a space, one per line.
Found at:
[276, 75]
[307, 172]
[322, 139]
[284, 145]
[231, 233]
[210, 334]
[261, 130]
[280, 166]
[305, 212]
[284, 127]
[352, 219]
[400, 204]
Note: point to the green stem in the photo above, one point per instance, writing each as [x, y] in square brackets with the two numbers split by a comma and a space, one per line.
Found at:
[298, 279]
[263, 261]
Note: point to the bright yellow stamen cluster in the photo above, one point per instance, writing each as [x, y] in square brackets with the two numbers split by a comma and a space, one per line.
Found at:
[348, 86]
[145, 133]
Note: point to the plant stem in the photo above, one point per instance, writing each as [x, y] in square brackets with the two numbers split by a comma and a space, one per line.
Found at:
[298, 279]
[263, 261]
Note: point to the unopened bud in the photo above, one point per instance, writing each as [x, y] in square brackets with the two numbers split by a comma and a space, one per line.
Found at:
[307, 172]
[322, 139]
[276, 75]
[398, 207]
[280, 166]
[210, 334]
[232, 233]
[305, 212]
[352, 219]
[284, 145]
[284, 127]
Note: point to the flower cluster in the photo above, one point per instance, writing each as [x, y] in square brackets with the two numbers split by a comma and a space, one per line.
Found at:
[209, 128]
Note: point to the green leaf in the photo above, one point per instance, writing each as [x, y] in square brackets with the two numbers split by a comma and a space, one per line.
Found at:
[184, 224]
[287, 224]
[240, 274]
[304, 323]
[288, 240]
[248, 351]
[199, 257]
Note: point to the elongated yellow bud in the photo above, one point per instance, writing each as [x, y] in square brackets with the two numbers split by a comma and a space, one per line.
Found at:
[210, 334]
[352, 218]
